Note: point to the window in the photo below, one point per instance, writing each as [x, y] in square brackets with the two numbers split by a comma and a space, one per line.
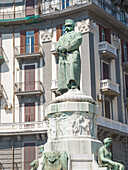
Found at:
[29, 41]
[65, 4]
[106, 71]
[104, 34]
[63, 29]
[29, 112]
[29, 155]
[29, 76]
[29, 7]
[122, 17]
[107, 109]
[126, 85]
[60, 30]
[124, 46]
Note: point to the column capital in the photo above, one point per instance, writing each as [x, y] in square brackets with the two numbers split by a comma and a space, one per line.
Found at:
[87, 26]
[46, 35]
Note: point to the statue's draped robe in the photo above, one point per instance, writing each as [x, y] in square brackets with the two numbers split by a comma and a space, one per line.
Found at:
[69, 64]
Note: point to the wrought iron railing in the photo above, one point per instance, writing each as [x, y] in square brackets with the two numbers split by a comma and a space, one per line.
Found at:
[52, 6]
[6, 13]
[28, 49]
[28, 86]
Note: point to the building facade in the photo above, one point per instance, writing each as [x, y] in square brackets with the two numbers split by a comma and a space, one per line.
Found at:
[28, 71]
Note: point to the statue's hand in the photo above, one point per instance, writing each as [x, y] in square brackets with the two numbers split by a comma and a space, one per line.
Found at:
[62, 49]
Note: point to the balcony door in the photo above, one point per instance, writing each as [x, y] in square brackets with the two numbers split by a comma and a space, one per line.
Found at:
[29, 155]
[29, 41]
[29, 78]
[29, 7]
[29, 112]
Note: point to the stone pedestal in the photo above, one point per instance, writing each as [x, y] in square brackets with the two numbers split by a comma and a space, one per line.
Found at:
[73, 128]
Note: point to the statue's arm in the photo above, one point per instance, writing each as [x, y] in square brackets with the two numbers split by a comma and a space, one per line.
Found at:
[74, 43]
[102, 157]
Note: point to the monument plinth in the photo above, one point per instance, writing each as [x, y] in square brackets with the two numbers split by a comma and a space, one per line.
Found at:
[72, 121]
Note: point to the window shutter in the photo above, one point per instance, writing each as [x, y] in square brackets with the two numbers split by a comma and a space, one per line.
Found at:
[122, 49]
[58, 32]
[100, 33]
[105, 71]
[29, 7]
[22, 42]
[108, 35]
[30, 77]
[29, 112]
[107, 109]
[29, 155]
[36, 41]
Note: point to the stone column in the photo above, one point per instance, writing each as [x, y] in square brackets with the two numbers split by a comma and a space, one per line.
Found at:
[87, 29]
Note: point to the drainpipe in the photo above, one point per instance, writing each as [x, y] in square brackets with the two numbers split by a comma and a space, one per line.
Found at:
[14, 7]
[13, 106]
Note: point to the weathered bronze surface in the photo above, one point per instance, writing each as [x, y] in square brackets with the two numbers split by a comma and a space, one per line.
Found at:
[69, 68]
[105, 157]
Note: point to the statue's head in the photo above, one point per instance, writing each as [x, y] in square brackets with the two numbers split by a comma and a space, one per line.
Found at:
[69, 25]
[108, 141]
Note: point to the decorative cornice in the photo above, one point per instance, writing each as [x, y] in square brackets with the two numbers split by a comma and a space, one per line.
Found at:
[46, 35]
[87, 26]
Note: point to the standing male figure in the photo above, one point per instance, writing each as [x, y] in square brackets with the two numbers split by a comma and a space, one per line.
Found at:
[69, 68]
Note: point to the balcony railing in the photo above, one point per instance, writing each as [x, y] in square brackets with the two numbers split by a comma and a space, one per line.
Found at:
[109, 87]
[25, 88]
[54, 85]
[107, 50]
[6, 13]
[51, 6]
[115, 125]
[111, 10]
[23, 127]
[28, 51]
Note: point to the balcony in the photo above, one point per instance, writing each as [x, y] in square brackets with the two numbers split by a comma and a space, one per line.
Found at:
[107, 50]
[23, 127]
[8, 13]
[28, 88]
[28, 51]
[112, 125]
[54, 85]
[109, 88]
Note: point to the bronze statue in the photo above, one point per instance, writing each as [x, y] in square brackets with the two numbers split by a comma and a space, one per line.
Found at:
[105, 157]
[69, 68]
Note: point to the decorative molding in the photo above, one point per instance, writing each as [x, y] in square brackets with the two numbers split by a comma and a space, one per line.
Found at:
[87, 26]
[116, 42]
[46, 35]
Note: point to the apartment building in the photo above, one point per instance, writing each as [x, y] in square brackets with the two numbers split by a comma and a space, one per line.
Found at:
[28, 71]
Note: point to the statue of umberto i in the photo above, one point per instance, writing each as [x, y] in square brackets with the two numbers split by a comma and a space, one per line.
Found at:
[69, 68]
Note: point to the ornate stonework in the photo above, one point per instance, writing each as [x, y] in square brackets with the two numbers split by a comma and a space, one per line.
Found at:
[71, 125]
[74, 95]
[46, 35]
[87, 26]
[116, 42]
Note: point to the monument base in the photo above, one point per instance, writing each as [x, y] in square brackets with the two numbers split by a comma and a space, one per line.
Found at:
[72, 121]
